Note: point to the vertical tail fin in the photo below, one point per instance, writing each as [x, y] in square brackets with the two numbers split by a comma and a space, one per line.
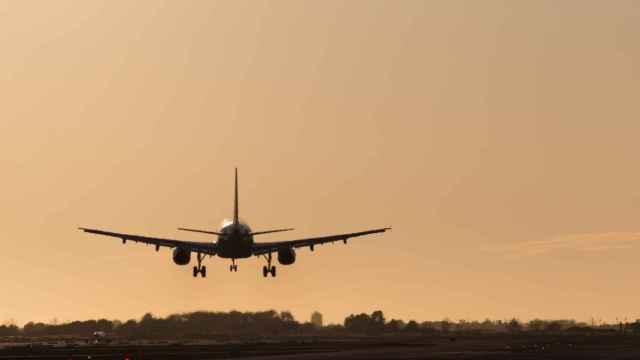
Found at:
[235, 203]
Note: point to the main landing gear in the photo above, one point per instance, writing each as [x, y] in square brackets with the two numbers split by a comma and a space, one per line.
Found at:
[200, 269]
[233, 267]
[268, 269]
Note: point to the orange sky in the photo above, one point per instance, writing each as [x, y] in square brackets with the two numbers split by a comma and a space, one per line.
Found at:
[499, 138]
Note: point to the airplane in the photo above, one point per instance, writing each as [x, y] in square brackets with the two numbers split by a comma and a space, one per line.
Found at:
[235, 241]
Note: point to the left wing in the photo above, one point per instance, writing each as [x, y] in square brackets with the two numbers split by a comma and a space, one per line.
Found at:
[264, 248]
[200, 247]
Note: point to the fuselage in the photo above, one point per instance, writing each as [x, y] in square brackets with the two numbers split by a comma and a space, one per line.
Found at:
[235, 241]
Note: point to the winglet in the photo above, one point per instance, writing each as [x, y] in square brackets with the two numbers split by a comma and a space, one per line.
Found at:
[235, 203]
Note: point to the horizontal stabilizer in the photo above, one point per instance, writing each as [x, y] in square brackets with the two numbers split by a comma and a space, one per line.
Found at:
[201, 231]
[270, 231]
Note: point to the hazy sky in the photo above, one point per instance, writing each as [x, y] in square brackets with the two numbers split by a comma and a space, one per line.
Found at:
[499, 138]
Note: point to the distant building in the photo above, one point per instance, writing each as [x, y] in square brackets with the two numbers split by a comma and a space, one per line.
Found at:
[316, 319]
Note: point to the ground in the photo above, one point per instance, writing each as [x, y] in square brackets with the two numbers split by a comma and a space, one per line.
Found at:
[608, 347]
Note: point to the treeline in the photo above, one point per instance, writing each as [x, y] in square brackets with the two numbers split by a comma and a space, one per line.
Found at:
[271, 323]
[189, 325]
[376, 324]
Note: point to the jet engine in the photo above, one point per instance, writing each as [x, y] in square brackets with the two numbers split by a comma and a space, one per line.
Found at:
[286, 256]
[181, 256]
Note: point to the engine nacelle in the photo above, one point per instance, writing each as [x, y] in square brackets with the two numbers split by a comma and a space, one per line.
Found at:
[286, 256]
[181, 256]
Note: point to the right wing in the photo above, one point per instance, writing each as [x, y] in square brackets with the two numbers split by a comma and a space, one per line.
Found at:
[265, 248]
[199, 247]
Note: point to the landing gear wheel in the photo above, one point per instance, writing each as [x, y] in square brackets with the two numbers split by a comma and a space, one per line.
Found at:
[199, 269]
[268, 269]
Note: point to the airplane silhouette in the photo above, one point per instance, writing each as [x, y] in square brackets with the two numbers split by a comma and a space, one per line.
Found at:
[235, 241]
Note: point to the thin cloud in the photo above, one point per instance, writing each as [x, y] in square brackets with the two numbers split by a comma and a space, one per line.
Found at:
[583, 243]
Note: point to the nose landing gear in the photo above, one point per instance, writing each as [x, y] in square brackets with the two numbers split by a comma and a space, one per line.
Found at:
[233, 267]
[199, 269]
[268, 269]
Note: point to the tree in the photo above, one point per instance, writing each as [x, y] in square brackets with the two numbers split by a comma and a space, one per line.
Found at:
[461, 325]
[35, 329]
[9, 330]
[286, 316]
[377, 317]
[514, 326]
[358, 323]
[377, 322]
[536, 325]
[412, 326]
[445, 325]
[635, 326]
[395, 325]
[487, 325]
[148, 317]
[553, 327]
[429, 327]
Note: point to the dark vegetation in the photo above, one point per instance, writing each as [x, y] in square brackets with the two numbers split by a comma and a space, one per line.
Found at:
[228, 325]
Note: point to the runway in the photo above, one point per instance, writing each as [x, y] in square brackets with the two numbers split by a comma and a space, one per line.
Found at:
[469, 347]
